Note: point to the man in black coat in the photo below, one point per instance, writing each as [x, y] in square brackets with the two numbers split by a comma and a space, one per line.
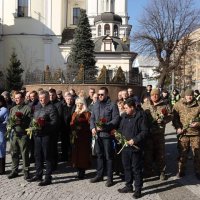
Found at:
[133, 127]
[46, 116]
[55, 136]
[108, 111]
[68, 110]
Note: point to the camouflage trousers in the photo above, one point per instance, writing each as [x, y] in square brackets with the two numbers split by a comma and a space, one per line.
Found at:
[184, 145]
[154, 153]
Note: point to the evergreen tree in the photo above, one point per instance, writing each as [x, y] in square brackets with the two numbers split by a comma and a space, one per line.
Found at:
[82, 51]
[14, 74]
[119, 76]
[103, 76]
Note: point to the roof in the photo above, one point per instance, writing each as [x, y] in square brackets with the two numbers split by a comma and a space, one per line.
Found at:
[119, 45]
[67, 35]
[108, 17]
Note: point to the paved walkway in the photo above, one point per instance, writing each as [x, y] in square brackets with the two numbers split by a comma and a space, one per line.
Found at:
[65, 186]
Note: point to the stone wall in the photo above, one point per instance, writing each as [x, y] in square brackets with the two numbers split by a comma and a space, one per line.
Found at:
[113, 89]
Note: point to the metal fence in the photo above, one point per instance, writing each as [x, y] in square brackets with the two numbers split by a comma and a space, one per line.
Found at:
[62, 76]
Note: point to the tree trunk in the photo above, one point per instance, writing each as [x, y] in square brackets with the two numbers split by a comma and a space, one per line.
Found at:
[161, 80]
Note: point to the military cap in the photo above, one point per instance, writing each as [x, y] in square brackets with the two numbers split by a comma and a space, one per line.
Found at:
[189, 92]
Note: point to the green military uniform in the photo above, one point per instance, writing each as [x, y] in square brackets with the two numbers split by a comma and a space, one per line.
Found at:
[183, 114]
[154, 150]
[19, 140]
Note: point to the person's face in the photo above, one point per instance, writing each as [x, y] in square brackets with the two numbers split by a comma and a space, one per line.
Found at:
[27, 96]
[43, 99]
[124, 94]
[120, 95]
[148, 88]
[102, 95]
[95, 97]
[129, 110]
[91, 93]
[59, 96]
[71, 92]
[52, 96]
[79, 106]
[19, 99]
[189, 98]
[130, 92]
[120, 106]
[33, 96]
[155, 97]
[164, 94]
[68, 100]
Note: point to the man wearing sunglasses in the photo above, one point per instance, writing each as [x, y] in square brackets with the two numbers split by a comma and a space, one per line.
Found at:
[104, 118]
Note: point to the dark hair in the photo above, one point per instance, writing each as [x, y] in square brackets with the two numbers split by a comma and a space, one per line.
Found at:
[52, 91]
[3, 101]
[130, 102]
[105, 89]
[197, 92]
[34, 92]
[21, 93]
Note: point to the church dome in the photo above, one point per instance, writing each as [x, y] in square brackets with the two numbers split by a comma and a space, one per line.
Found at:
[108, 17]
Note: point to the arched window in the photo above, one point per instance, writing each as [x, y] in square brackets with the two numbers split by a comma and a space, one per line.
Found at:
[99, 30]
[115, 32]
[107, 29]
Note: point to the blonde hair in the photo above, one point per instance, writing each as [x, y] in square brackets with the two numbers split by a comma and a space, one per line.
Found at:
[80, 101]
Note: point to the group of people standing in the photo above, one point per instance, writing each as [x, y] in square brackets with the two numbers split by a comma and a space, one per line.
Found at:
[77, 120]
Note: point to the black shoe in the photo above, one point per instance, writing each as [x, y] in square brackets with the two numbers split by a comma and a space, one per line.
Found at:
[125, 190]
[81, 174]
[109, 183]
[137, 194]
[45, 182]
[26, 176]
[180, 174]
[198, 176]
[32, 160]
[96, 179]
[35, 178]
[12, 175]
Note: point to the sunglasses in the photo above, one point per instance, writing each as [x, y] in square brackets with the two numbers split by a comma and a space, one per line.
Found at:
[100, 94]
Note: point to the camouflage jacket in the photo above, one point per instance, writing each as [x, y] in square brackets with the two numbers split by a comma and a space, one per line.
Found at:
[161, 111]
[184, 113]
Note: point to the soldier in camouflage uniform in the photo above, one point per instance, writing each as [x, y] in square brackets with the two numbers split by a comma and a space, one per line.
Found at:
[186, 122]
[158, 115]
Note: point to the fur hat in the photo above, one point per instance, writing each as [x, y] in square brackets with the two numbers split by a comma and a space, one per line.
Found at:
[155, 91]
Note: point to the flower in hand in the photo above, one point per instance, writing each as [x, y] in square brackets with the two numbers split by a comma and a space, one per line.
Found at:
[101, 123]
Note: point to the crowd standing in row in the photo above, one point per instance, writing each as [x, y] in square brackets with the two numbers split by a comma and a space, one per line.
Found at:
[34, 121]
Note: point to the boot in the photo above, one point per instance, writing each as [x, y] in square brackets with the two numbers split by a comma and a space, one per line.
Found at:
[2, 166]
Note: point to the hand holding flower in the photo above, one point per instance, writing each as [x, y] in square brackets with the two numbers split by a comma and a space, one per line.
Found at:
[193, 124]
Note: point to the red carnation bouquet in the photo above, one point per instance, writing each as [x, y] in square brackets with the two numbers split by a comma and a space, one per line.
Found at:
[101, 122]
[13, 121]
[35, 125]
[78, 121]
[160, 117]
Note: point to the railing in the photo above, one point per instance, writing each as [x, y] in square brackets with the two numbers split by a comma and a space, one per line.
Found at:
[58, 76]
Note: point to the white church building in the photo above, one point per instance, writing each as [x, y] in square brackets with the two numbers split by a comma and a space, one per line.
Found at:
[41, 32]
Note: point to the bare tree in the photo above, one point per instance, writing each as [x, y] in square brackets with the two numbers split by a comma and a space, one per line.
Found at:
[165, 32]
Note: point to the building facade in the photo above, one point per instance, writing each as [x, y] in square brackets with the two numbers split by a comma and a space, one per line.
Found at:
[41, 32]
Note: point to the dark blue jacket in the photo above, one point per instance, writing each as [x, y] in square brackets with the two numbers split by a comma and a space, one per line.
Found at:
[110, 112]
[134, 127]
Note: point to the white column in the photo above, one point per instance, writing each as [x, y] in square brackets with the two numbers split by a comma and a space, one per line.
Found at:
[48, 13]
[29, 8]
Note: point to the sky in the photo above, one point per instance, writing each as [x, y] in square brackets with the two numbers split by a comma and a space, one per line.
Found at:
[135, 9]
